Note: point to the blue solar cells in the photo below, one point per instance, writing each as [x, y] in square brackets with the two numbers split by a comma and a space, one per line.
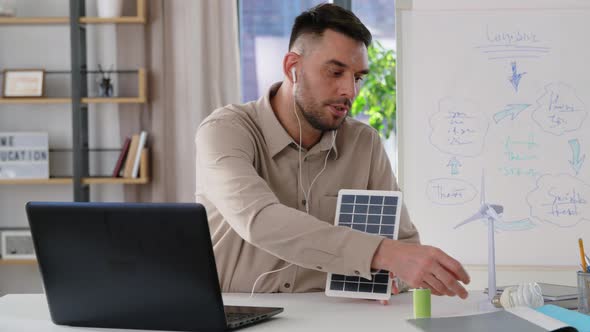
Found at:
[390, 200]
[359, 227]
[361, 208]
[379, 288]
[382, 278]
[388, 220]
[359, 218]
[378, 200]
[374, 219]
[335, 285]
[362, 199]
[375, 209]
[390, 210]
[346, 208]
[347, 199]
[366, 287]
[351, 287]
[373, 229]
[345, 218]
[337, 277]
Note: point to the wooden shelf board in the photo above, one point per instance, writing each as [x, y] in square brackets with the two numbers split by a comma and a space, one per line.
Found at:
[117, 100]
[34, 20]
[35, 100]
[119, 20]
[66, 20]
[91, 180]
[37, 181]
[114, 100]
[107, 180]
[18, 262]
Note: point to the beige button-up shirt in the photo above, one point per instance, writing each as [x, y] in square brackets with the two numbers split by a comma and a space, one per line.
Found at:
[248, 181]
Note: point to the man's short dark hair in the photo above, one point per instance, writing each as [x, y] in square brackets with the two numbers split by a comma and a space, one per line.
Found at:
[329, 16]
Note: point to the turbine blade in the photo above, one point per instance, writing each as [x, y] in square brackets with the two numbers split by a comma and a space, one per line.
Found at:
[474, 217]
[483, 188]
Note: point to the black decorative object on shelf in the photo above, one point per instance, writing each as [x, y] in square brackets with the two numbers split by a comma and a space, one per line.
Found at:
[105, 88]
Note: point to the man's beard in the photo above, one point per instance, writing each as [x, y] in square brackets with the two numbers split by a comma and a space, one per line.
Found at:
[312, 112]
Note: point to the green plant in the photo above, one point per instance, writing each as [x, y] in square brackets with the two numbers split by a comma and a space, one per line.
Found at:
[376, 97]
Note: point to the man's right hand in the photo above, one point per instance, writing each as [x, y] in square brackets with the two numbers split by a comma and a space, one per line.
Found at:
[422, 267]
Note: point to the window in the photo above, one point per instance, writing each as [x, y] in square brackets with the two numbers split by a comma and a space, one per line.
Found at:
[379, 17]
[265, 27]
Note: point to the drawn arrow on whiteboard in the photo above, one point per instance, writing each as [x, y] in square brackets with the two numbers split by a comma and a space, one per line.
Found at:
[511, 110]
[517, 225]
[454, 164]
[576, 161]
[516, 76]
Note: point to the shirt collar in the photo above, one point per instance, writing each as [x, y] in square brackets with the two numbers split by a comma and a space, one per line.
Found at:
[275, 135]
[277, 138]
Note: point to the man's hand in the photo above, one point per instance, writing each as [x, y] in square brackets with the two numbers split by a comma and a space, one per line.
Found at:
[422, 266]
[394, 289]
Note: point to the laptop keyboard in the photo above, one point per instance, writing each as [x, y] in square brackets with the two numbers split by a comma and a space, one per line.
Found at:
[233, 316]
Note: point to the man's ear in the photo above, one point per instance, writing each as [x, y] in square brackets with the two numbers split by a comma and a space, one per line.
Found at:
[289, 65]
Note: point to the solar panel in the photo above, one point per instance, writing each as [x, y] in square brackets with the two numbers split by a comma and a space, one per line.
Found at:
[370, 211]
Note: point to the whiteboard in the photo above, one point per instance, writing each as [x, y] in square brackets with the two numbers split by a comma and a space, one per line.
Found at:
[496, 91]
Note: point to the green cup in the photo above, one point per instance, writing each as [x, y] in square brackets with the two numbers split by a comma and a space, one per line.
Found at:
[422, 303]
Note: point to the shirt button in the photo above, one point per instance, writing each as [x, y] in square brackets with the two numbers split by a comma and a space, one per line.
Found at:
[357, 272]
[287, 285]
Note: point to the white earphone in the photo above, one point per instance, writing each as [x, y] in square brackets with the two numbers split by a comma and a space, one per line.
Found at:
[306, 194]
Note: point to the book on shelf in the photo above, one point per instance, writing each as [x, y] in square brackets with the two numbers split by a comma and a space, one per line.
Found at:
[121, 159]
[137, 161]
[133, 160]
[128, 169]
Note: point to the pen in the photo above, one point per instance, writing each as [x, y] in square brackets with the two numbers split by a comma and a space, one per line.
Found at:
[582, 255]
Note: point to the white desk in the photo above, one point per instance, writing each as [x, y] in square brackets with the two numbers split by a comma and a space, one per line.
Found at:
[303, 312]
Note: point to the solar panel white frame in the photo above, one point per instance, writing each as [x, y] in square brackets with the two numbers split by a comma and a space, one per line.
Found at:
[371, 193]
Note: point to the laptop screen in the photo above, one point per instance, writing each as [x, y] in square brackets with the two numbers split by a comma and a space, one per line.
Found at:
[127, 265]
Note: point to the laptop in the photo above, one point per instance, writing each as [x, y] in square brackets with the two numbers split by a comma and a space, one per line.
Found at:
[132, 266]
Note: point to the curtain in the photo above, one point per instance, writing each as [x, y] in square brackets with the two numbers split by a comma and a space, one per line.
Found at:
[191, 51]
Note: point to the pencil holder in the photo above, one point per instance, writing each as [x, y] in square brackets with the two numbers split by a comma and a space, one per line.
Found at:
[583, 292]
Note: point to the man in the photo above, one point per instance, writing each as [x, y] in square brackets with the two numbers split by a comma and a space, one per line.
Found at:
[269, 172]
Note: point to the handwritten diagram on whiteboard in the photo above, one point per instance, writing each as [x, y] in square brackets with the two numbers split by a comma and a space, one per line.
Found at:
[506, 93]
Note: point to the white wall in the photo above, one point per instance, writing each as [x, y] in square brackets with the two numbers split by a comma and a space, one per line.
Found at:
[48, 47]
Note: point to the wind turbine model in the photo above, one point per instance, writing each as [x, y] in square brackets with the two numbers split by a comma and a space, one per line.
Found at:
[491, 213]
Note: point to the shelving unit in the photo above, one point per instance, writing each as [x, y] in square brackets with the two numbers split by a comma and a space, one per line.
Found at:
[140, 18]
[80, 100]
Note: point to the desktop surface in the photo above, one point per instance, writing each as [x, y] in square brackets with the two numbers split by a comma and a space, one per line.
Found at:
[303, 312]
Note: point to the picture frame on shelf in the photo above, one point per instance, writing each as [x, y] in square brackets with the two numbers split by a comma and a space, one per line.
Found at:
[23, 83]
[7, 8]
[17, 244]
